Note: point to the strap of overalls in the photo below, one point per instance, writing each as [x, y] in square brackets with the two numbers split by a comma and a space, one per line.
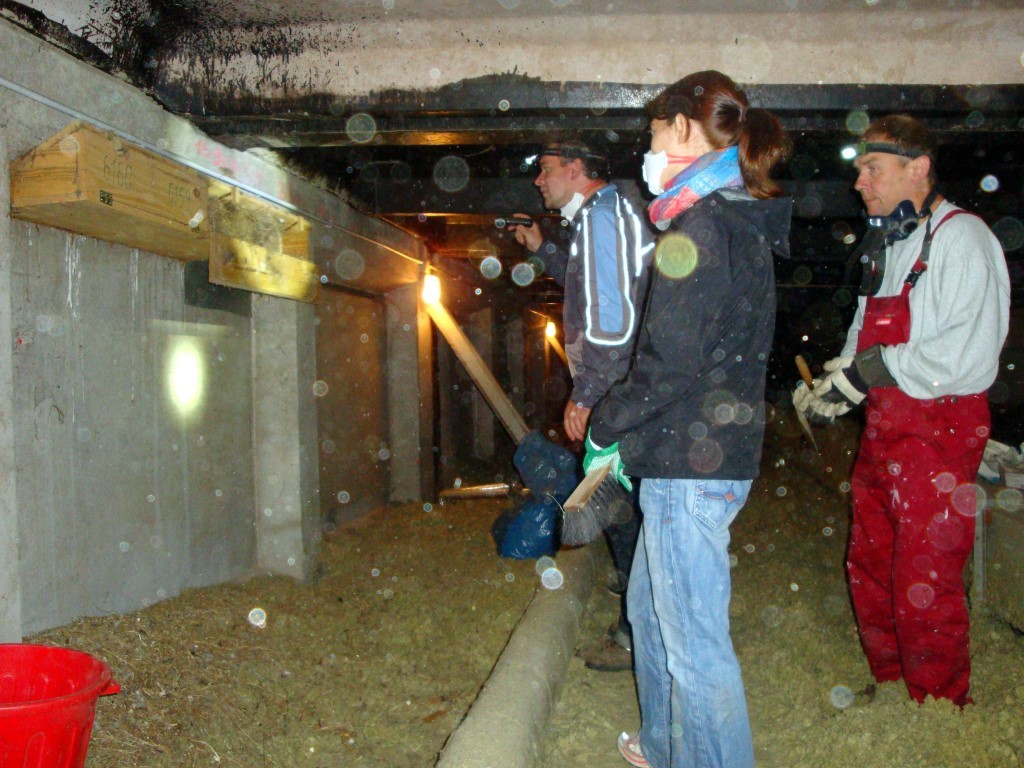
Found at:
[922, 260]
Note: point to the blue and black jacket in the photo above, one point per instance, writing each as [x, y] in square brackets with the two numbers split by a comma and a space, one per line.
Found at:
[604, 273]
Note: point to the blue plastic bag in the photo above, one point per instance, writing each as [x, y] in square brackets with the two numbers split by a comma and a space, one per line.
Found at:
[551, 473]
[529, 530]
[546, 468]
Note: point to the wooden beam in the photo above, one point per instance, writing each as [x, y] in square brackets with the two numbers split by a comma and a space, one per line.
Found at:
[557, 346]
[480, 373]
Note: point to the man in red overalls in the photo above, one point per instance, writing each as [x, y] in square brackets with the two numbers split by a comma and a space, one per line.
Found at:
[922, 351]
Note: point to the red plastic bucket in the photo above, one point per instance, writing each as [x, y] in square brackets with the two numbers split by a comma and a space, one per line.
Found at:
[47, 703]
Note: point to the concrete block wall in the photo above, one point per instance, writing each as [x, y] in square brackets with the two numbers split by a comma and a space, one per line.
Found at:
[355, 450]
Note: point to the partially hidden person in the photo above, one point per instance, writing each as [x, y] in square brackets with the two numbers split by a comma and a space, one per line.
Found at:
[603, 269]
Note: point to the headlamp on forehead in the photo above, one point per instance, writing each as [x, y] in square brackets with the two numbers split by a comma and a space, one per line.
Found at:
[886, 147]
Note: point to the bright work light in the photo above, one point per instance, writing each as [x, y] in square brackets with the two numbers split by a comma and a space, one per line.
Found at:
[431, 289]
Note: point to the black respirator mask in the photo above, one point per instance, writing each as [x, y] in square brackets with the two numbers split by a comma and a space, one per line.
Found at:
[882, 232]
[901, 223]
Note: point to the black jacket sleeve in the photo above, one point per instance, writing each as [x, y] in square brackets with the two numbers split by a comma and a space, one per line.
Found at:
[681, 331]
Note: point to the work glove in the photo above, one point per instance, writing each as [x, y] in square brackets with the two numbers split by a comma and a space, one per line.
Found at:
[845, 385]
[833, 394]
[597, 457]
[819, 409]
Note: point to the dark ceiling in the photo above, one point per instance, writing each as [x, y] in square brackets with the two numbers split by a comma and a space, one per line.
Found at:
[446, 163]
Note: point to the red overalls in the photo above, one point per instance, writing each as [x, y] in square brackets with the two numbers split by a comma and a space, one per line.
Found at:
[914, 503]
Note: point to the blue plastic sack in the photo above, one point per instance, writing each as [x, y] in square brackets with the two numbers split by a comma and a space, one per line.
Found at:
[529, 530]
[546, 467]
[552, 474]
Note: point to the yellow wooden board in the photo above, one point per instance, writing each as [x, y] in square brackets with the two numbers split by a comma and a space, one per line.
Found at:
[93, 183]
[237, 214]
[241, 264]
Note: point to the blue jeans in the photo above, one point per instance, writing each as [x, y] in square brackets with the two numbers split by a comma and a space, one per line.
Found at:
[692, 706]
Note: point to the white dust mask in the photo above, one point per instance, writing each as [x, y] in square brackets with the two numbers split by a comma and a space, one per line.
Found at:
[569, 209]
[655, 164]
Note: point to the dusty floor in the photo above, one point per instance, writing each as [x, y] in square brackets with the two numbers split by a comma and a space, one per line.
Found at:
[373, 665]
[376, 662]
[794, 632]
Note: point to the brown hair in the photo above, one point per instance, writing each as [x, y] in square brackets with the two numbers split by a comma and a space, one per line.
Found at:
[906, 133]
[721, 109]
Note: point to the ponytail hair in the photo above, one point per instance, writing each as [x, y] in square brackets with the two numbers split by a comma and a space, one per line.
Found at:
[720, 107]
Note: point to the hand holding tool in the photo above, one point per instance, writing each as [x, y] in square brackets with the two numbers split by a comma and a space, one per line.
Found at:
[600, 500]
[513, 221]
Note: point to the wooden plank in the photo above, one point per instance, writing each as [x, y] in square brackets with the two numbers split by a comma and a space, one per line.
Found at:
[247, 217]
[92, 183]
[581, 496]
[241, 264]
[557, 346]
[479, 372]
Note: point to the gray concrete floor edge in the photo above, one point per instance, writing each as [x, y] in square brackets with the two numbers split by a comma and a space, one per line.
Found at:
[505, 726]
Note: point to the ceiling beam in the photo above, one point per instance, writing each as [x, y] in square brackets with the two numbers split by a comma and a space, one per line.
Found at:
[468, 114]
[523, 94]
[483, 200]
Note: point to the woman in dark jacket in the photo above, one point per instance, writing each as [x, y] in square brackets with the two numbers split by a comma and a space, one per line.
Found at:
[689, 418]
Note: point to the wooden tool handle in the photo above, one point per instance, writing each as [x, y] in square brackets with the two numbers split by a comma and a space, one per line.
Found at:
[489, 387]
[805, 372]
[581, 496]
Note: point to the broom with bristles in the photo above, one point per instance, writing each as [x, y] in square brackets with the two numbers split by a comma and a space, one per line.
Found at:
[598, 501]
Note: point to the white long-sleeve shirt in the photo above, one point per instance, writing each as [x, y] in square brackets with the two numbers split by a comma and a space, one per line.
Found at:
[959, 309]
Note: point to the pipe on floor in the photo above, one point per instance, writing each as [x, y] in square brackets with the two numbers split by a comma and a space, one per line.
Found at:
[489, 491]
[505, 726]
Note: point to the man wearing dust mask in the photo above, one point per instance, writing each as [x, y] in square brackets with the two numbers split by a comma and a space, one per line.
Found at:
[604, 273]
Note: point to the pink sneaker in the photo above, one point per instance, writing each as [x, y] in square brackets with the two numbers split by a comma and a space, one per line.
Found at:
[629, 748]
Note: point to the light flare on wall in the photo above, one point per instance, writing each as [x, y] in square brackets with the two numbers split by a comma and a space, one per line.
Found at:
[186, 374]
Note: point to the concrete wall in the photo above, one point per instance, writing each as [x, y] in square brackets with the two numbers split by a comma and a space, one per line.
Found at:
[284, 436]
[411, 392]
[355, 452]
[479, 328]
[125, 496]
[10, 574]
[111, 496]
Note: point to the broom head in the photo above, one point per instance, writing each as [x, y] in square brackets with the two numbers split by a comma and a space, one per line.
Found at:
[598, 501]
